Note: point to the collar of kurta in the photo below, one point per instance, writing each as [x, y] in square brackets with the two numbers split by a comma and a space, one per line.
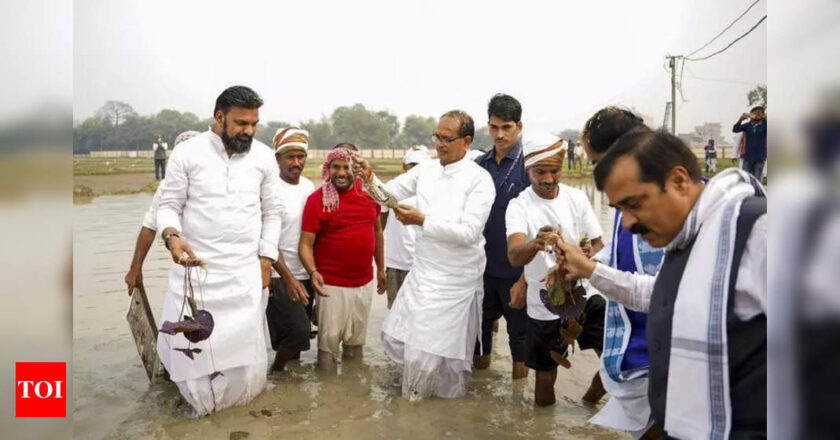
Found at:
[454, 167]
[219, 146]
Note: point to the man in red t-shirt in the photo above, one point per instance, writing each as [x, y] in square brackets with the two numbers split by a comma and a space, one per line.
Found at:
[341, 234]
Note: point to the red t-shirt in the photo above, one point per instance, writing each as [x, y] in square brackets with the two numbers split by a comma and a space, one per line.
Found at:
[344, 239]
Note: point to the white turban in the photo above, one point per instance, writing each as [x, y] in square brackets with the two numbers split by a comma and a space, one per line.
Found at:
[546, 149]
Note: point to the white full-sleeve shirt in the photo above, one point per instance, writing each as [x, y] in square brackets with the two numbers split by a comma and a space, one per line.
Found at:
[228, 209]
[634, 290]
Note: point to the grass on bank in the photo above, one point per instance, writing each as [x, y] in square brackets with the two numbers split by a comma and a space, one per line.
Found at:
[90, 168]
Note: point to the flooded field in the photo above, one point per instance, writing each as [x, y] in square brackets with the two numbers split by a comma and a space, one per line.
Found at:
[113, 399]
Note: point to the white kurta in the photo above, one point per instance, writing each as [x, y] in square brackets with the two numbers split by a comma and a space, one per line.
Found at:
[228, 210]
[432, 327]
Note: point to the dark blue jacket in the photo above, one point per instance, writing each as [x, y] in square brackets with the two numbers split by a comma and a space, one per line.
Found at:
[507, 189]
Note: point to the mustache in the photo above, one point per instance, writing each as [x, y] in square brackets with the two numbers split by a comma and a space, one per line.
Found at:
[551, 185]
[639, 228]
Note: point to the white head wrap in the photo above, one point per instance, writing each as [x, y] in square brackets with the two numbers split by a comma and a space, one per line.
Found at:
[542, 148]
[416, 154]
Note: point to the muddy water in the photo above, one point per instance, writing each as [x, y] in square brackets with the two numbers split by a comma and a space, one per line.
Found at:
[113, 398]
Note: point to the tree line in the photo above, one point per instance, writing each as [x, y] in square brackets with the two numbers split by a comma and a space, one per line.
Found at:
[117, 126]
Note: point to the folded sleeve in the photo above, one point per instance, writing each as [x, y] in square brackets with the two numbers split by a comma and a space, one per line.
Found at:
[515, 219]
[150, 220]
[311, 220]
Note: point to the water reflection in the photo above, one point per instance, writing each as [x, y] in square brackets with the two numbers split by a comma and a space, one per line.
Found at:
[113, 398]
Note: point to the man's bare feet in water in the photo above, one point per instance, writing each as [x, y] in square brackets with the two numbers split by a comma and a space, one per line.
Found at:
[482, 362]
[351, 351]
[520, 371]
[283, 356]
[326, 362]
[596, 390]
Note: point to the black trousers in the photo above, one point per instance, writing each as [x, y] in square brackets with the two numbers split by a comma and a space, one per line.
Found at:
[495, 305]
[160, 169]
[288, 321]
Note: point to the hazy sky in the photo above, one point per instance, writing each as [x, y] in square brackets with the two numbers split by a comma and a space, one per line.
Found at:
[563, 60]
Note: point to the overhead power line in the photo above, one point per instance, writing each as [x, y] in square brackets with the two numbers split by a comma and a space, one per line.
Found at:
[724, 30]
[730, 44]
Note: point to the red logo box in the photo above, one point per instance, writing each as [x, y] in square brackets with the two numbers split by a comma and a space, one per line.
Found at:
[40, 389]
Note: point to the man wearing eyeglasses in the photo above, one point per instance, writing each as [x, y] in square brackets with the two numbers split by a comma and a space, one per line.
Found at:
[504, 285]
[433, 324]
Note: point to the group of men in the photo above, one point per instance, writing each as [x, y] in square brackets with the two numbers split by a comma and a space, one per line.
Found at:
[470, 242]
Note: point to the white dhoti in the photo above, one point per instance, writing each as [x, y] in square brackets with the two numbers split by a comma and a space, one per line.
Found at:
[627, 408]
[431, 333]
[232, 365]
[433, 325]
[231, 387]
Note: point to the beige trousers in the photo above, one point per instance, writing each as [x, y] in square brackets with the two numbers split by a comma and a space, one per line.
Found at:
[343, 316]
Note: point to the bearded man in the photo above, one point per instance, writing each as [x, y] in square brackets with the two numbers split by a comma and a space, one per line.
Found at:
[220, 207]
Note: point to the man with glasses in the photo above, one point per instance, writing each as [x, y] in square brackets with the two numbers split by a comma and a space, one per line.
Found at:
[504, 285]
[432, 327]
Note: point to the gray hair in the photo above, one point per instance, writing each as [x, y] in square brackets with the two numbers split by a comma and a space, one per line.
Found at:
[466, 126]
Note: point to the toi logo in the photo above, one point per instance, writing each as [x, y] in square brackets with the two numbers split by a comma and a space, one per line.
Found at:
[40, 389]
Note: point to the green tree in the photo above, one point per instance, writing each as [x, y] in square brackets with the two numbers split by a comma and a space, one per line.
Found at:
[364, 128]
[87, 136]
[115, 111]
[321, 135]
[266, 132]
[758, 95]
[417, 130]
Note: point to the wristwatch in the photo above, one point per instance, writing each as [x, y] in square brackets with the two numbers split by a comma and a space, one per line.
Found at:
[166, 238]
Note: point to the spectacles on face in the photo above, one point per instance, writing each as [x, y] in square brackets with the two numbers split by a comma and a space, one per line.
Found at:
[444, 141]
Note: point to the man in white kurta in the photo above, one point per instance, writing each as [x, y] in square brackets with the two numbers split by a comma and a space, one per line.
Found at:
[432, 327]
[219, 204]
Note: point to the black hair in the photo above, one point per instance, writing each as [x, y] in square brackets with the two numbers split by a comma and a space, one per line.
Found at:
[607, 125]
[346, 145]
[466, 125]
[237, 96]
[504, 107]
[656, 153]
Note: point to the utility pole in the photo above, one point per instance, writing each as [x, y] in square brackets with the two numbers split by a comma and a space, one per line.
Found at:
[672, 63]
